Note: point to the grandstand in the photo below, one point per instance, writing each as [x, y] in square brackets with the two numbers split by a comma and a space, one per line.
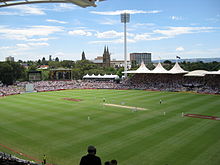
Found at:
[158, 79]
[175, 79]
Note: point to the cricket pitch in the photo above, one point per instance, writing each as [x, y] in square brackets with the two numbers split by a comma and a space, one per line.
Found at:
[123, 106]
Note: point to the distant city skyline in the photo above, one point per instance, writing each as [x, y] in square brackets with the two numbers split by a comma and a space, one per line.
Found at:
[189, 29]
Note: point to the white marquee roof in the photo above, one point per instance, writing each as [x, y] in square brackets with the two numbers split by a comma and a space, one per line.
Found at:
[197, 73]
[177, 69]
[143, 69]
[159, 69]
[101, 77]
[214, 72]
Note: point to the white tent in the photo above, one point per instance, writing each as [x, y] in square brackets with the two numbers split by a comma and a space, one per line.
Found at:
[86, 76]
[177, 69]
[100, 77]
[197, 73]
[214, 72]
[159, 69]
[110, 76]
[141, 69]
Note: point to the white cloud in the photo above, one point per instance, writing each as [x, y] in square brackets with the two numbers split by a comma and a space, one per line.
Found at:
[40, 39]
[112, 34]
[39, 44]
[56, 21]
[29, 32]
[31, 45]
[116, 41]
[109, 34]
[77, 22]
[153, 36]
[80, 33]
[180, 49]
[148, 37]
[4, 47]
[8, 13]
[143, 24]
[64, 7]
[26, 10]
[22, 45]
[144, 36]
[108, 21]
[118, 12]
[173, 31]
[177, 18]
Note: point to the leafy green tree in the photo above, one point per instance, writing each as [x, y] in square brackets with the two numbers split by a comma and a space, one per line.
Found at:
[94, 71]
[110, 70]
[44, 62]
[18, 70]
[85, 65]
[54, 64]
[57, 59]
[6, 73]
[76, 74]
[67, 64]
[45, 75]
[39, 62]
[10, 72]
[32, 67]
[167, 62]
[119, 72]
[134, 64]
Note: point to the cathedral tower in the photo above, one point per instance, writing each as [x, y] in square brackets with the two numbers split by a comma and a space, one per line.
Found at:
[106, 57]
[83, 56]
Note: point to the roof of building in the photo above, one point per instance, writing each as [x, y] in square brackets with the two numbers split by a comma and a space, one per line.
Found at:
[143, 69]
[201, 73]
[159, 69]
[197, 73]
[214, 72]
[101, 77]
[177, 69]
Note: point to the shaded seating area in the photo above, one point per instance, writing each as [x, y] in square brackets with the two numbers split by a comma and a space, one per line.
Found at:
[60, 74]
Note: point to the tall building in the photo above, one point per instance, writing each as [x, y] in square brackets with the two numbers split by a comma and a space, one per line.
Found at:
[9, 58]
[139, 57]
[83, 56]
[106, 58]
[50, 57]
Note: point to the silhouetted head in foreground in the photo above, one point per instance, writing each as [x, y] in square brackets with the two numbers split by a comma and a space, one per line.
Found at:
[90, 158]
[91, 150]
[114, 162]
[107, 163]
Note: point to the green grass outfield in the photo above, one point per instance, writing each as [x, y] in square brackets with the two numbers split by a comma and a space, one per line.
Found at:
[44, 123]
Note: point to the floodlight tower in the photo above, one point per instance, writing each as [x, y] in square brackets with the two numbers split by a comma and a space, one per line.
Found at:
[125, 18]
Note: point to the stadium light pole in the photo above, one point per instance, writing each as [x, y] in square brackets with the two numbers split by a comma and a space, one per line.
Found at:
[125, 18]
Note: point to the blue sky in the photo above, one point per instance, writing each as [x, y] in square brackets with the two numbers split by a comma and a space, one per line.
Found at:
[166, 28]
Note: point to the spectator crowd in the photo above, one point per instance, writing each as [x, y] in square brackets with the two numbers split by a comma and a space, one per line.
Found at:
[6, 159]
[164, 82]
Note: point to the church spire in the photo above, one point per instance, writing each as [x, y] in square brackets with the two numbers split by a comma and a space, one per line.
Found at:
[83, 56]
[107, 50]
[106, 57]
